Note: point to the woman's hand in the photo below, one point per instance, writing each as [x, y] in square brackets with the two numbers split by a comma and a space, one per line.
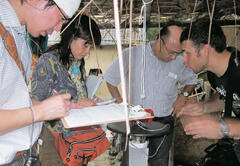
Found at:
[96, 99]
[75, 106]
[86, 102]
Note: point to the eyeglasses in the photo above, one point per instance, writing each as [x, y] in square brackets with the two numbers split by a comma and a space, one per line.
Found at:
[65, 19]
[171, 52]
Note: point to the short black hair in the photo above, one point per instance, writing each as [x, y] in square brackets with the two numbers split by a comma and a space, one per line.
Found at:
[199, 34]
[164, 32]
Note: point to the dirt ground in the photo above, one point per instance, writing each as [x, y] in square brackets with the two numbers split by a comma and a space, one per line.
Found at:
[188, 151]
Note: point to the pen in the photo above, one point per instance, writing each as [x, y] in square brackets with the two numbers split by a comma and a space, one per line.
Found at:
[106, 101]
[54, 92]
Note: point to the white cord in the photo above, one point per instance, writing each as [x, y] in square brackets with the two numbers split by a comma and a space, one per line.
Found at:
[140, 125]
[143, 8]
[144, 47]
[31, 136]
[235, 32]
[120, 56]
[143, 61]
[152, 156]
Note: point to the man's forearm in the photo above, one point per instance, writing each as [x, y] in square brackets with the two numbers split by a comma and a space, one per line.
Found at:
[14, 119]
[114, 92]
[182, 99]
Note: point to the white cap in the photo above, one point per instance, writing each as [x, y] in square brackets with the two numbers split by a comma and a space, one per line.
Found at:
[68, 6]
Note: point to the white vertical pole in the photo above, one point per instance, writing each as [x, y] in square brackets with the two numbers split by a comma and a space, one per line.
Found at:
[120, 57]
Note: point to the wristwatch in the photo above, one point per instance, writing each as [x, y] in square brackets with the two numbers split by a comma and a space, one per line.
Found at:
[185, 94]
[223, 128]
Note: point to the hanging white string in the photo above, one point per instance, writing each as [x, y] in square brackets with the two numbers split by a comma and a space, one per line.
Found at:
[235, 32]
[210, 25]
[121, 7]
[119, 48]
[159, 22]
[130, 52]
[81, 11]
[190, 28]
[144, 55]
[144, 7]
[141, 19]
[159, 18]
[209, 12]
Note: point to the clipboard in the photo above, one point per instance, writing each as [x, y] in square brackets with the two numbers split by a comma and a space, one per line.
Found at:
[96, 115]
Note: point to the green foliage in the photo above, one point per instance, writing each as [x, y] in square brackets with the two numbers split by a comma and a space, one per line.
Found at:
[203, 75]
[152, 33]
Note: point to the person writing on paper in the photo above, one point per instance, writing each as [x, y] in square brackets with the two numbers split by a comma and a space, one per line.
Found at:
[17, 110]
[62, 68]
[163, 71]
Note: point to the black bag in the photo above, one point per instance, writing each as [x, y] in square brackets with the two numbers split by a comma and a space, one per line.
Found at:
[221, 154]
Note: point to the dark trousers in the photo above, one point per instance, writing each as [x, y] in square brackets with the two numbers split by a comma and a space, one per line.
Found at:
[237, 150]
[158, 156]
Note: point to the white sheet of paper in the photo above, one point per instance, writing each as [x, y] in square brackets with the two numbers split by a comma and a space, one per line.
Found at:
[98, 115]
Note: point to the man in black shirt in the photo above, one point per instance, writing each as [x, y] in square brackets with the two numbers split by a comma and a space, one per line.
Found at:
[222, 65]
[228, 82]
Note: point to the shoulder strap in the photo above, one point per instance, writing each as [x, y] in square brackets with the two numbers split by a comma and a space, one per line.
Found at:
[10, 45]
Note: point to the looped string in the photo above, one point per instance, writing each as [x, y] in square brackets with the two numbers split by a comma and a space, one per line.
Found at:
[141, 18]
[211, 20]
[190, 28]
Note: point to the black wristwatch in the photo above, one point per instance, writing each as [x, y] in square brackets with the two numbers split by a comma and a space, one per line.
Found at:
[223, 128]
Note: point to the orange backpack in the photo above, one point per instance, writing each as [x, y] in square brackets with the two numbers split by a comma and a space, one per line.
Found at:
[87, 143]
